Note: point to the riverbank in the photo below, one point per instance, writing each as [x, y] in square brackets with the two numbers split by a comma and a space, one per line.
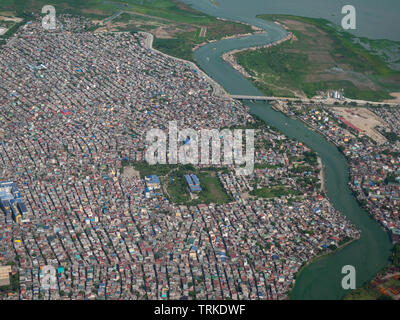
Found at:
[321, 279]
[321, 174]
[320, 58]
[230, 58]
[218, 90]
[369, 254]
[341, 146]
[256, 30]
[148, 45]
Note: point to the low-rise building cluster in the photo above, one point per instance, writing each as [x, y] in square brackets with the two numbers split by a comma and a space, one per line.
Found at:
[75, 105]
[374, 167]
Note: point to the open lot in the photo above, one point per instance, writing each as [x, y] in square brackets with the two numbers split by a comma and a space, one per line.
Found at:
[8, 21]
[132, 21]
[10, 18]
[363, 119]
[396, 96]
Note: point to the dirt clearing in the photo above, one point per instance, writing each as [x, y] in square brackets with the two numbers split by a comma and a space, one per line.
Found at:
[363, 119]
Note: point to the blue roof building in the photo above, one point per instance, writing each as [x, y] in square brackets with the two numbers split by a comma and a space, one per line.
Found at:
[152, 179]
[11, 201]
[188, 179]
[152, 182]
[196, 180]
[195, 188]
[193, 183]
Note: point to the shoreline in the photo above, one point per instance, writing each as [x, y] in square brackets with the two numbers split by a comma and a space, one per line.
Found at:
[321, 174]
[256, 30]
[235, 36]
[229, 56]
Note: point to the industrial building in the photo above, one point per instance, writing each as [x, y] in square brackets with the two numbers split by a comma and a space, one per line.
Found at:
[11, 202]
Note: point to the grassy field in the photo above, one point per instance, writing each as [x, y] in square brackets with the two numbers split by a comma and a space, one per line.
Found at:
[176, 26]
[319, 58]
[212, 190]
[277, 191]
[146, 169]
[172, 177]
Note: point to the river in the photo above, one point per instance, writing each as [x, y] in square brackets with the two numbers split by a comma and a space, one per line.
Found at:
[322, 278]
[375, 19]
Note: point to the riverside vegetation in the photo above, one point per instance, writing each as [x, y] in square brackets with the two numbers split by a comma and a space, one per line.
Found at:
[321, 57]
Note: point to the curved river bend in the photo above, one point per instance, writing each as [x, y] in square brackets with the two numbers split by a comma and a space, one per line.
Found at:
[322, 278]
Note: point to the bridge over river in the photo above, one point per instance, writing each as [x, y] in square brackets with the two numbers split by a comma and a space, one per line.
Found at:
[265, 98]
[307, 100]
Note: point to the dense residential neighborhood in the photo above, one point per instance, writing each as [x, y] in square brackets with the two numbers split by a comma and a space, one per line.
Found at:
[75, 109]
[373, 154]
